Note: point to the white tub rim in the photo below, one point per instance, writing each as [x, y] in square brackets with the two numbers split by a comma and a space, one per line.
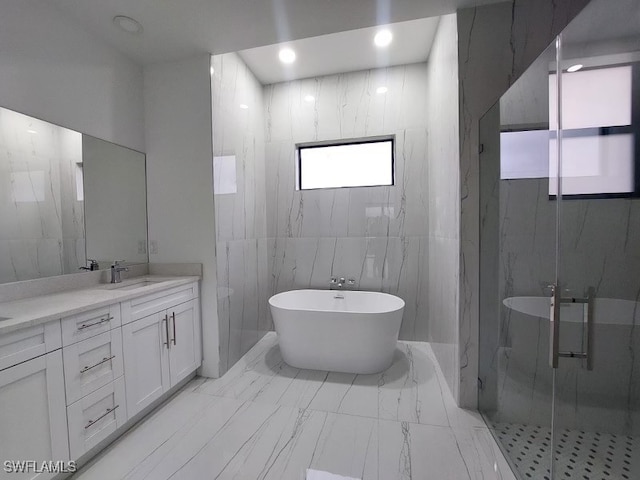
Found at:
[400, 303]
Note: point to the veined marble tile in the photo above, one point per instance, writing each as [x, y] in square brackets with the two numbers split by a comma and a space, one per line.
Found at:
[129, 452]
[266, 420]
[410, 390]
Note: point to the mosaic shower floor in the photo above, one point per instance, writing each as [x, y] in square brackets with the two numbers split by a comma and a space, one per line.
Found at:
[579, 455]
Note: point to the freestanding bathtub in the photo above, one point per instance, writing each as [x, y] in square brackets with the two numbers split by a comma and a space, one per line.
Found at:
[354, 334]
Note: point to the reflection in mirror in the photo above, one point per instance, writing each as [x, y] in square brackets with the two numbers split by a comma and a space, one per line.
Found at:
[41, 213]
[48, 176]
[115, 203]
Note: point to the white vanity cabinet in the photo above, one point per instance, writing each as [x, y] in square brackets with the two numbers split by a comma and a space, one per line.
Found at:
[160, 350]
[68, 384]
[33, 413]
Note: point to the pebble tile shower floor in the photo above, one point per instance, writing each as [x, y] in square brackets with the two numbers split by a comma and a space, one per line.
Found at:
[579, 455]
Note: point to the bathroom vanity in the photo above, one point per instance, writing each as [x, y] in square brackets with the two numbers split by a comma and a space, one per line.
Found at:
[77, 368]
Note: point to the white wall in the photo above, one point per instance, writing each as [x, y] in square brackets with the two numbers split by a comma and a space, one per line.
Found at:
[444, 218]
[52, 69]
[177, 100]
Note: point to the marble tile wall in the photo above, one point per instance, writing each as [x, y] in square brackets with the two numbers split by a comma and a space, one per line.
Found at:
[496, 44]
[444, 231]
[240, 211]
[42, 220]
[377, 235]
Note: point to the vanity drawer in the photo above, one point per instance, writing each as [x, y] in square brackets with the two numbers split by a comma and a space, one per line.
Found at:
[92, 364]
[95, 417]
[149, 304]
[27, 343]
[88, 324]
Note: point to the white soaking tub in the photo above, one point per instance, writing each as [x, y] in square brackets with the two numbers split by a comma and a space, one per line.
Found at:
[354, 334]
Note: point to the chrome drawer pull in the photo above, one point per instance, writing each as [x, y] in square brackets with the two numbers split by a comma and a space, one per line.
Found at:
[109, 410]
[105, 359]
[100, 322]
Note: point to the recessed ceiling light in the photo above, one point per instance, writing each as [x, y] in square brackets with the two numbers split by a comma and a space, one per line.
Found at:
[309, 98]
[381, 90]
[31, 131]
[575, 68]
[383, 38]
[243, 106]
[287, 55]
[128, 24]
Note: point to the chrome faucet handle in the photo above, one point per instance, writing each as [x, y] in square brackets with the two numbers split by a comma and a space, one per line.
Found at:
[342, 280]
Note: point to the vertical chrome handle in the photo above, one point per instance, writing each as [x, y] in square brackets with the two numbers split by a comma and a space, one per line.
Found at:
[554, 326]
[589, 327]
[166, 330]
[173, 316]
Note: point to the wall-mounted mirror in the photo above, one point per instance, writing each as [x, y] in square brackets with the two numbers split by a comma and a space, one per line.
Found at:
[66, 197]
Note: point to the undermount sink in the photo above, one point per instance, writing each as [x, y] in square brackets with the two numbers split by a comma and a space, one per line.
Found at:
[143, 283]
[133, 284]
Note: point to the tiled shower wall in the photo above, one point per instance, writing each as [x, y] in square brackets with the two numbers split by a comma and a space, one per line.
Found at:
[377, 235]
[240, 212]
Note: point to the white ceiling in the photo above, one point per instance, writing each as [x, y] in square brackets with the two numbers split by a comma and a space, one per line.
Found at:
[176, 29]
[344, 52]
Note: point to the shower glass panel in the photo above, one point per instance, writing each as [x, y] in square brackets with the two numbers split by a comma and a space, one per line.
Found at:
[518, 265]
[560, 225]
[597, 401]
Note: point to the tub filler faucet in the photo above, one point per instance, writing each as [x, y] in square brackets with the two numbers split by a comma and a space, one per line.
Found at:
[341, 283]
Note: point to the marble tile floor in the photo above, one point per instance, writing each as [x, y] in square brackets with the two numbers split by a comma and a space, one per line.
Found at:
[266, 420]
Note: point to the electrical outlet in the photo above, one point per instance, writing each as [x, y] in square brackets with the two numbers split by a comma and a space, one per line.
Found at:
[153, 247]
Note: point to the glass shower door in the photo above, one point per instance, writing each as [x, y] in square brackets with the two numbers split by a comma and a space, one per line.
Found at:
[595, 342]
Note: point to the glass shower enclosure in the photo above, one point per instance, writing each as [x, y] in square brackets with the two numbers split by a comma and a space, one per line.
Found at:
[560, 255]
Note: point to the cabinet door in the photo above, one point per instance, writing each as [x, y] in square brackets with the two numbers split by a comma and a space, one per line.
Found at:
[92, 363]
[33, 416]
[183, 350]
[146, 361]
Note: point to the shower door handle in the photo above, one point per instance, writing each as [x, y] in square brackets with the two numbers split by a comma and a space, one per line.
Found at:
[587, 319]
[554, 326]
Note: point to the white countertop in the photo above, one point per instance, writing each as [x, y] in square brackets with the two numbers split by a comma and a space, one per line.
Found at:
[32, 311]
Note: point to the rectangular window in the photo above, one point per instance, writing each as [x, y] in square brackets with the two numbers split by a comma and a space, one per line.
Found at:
[348, 163]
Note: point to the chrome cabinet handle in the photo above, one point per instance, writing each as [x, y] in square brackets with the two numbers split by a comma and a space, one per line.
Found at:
[109, 410]
[173, 316]
[99, 322]
[166, 330]
[105, 359]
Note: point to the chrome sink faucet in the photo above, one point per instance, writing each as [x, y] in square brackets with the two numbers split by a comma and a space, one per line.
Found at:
[116, 268]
